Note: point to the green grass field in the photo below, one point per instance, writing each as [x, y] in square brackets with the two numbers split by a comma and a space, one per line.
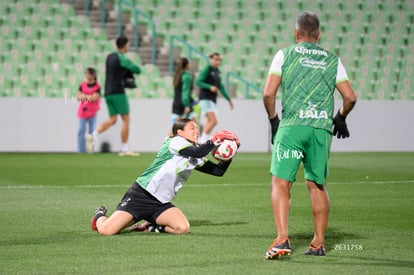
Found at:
[46, 202]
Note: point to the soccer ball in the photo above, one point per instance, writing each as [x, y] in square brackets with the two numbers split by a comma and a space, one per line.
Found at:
[226, 150]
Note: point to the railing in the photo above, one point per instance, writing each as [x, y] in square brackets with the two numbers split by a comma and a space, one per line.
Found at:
[136, 13]
[87, 6]
[191, 49]
[241, 79]
[103, 13]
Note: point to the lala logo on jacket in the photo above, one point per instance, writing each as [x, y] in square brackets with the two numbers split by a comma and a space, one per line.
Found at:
[311, 112]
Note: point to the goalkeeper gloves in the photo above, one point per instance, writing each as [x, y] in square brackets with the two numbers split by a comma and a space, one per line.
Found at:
[218, 137]
[274, 124]
[340, 129]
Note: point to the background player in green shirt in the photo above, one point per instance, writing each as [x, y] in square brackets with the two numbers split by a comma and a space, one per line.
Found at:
[117, 66]
[210, 84]
[183, 82]
[308, 76]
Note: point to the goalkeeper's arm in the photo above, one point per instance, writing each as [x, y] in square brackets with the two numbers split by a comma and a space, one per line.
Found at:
[215, 140]
[197, 151]
[214, 169]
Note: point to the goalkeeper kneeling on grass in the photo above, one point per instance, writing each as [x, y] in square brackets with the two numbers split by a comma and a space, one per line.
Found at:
[149, 198]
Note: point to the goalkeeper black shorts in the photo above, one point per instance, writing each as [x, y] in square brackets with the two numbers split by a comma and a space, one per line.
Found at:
[142, 205]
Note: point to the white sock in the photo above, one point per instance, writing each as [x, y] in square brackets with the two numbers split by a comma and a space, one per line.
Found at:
[124, 147]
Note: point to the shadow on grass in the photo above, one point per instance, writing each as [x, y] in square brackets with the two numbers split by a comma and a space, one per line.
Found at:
[195, 223]
[371, 261]
[332, 238]
[60, 237]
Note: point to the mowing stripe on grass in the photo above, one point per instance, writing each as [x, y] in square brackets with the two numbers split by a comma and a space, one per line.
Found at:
[190, 185]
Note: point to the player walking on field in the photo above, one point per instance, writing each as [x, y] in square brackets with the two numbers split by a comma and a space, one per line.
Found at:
[308, 75]
[117, 66]
[149, 198]
[210, 84]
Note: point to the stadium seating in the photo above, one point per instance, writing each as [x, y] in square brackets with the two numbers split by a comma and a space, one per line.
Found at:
[46, 46]
[38, 49]
[373, 38]
[46, 49]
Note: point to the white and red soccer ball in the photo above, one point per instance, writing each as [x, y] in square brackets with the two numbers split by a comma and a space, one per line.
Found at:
[226, 150]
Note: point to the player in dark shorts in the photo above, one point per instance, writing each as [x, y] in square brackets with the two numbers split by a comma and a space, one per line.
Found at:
[183, 103]
[149, 198]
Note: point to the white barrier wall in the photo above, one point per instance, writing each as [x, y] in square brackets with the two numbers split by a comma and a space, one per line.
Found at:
[50, 125]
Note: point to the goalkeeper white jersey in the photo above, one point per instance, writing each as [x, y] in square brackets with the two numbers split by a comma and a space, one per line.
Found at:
[166, 175]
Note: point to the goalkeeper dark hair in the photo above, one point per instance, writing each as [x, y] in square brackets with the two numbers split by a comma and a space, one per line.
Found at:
[121, 41]
[180, 124]
[307, 24]
[179, 68]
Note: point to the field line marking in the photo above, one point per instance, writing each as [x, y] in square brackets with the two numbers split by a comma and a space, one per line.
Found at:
[191, 185]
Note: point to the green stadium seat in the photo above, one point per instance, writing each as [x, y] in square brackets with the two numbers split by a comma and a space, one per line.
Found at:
[48, 8]
[38, 21]
[16, 8]
[82, 22]
[15, 21]
[133, 93]
[146, 87]
[15, 57]
[168, 86]
[54, 21]
[4, 8]
[67, 10]
[73, 81]
[99, 34]
[27, 84]
[405, 88]
[39, 35]
[62, 57]
[79, 68]
[5, 85]
[361, 32]
[51, 85]
[8, 32]
[30, 68]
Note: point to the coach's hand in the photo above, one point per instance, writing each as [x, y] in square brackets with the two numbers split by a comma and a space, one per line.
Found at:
[274, 124]
[340, 129]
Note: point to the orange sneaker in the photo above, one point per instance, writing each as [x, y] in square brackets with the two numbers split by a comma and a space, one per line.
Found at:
[278, 249]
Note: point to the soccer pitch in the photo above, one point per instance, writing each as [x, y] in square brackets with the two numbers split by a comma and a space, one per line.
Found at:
[47, 200]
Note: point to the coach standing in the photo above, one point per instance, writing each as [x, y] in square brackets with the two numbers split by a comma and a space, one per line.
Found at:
[308, 75]
[117, 66]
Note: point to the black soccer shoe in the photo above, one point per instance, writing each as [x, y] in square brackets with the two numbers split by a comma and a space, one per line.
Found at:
[315, 251]
[99, 212]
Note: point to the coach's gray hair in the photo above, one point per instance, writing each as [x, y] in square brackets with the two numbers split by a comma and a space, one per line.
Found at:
[307, 24]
